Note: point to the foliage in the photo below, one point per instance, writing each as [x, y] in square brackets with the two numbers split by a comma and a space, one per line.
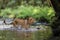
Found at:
[15, 3]
[23, 11]
[6, 12]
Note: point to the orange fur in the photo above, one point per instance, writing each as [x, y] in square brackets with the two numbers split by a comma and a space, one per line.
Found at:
[25, 23]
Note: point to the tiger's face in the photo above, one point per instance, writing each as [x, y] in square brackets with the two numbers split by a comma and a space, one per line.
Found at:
[31, 20]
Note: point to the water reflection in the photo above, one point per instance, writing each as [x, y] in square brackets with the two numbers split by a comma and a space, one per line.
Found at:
[22, 34]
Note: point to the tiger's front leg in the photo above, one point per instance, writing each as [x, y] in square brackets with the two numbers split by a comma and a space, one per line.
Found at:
[27, 27]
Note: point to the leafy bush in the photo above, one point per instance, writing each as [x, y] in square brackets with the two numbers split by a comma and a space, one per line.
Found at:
[46, 12]
[23, 11]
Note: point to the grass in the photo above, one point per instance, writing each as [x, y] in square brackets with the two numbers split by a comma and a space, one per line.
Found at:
[14, 35]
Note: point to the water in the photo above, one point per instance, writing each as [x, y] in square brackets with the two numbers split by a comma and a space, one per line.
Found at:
[10, 27]
[8, 21]
[8, 32]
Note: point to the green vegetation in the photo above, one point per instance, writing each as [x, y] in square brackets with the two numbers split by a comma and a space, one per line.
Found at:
[15, 3]
[23, 8]
[23, 11]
